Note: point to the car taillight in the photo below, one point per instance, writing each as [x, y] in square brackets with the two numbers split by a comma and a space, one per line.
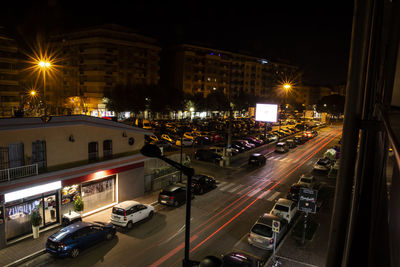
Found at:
[124, 215]
[271, 241]
[171, 197]
[61, 245]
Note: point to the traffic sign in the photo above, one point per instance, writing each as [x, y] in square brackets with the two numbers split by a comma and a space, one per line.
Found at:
[275, 226]
[308, 200]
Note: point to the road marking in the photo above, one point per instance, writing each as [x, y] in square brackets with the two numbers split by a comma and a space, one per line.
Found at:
[223, 188]
[265, 193]
[254, 192]
[271, 198]
[222, 184]
[235, 188]
[244, 189]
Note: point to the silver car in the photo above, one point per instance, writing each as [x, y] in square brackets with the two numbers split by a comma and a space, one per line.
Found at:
[261, 234]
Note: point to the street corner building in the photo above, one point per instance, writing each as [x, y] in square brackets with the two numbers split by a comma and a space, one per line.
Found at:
[47, 165]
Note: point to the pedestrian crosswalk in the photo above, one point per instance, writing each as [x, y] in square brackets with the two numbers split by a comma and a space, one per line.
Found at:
[249, 191]
[284, 159]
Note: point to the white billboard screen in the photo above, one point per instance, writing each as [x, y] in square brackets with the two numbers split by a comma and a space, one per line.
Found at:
[267, 112]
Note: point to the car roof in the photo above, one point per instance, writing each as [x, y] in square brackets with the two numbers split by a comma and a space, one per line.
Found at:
[76, 226]
[307, 175]
[280, 143]
[126, 204]
[255, 155]
[284, 202]
[171, 188]
[267, 219]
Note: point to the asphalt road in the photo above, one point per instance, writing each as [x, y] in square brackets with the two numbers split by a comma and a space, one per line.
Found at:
[219, 218]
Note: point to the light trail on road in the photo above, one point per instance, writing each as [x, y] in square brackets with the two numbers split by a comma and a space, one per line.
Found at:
[329, 137]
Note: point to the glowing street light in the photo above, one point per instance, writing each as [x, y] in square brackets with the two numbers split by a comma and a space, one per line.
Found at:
[44, 66]
[287, 86]
[32, 93]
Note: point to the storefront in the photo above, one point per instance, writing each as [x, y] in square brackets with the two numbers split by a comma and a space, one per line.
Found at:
[96, 194]
[20, 204]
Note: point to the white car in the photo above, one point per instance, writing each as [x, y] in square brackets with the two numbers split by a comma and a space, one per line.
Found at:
[307, 180]
[261, 234]
[126, 213]
[323, 164]
[285, 209]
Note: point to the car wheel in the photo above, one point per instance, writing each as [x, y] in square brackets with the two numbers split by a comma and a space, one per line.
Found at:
[74, 252]
[109, 236]
[129, 225]
[151, 213]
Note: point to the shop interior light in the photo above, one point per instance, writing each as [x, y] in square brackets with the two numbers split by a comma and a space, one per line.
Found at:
[28, 192]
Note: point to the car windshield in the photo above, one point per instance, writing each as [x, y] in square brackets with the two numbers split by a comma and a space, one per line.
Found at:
[60, 235]
[282, 208]
[322, 162]
[305, 180]
[262, 229]
[118, 211]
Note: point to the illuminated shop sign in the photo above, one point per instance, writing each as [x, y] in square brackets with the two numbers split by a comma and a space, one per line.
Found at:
[24, 193]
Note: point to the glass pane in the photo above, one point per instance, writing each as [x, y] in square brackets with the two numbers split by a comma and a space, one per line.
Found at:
[50, 209]
[98, 194]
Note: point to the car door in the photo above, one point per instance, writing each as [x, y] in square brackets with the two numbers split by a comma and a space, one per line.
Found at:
[141, 212]
[82, 237]
[134, 214]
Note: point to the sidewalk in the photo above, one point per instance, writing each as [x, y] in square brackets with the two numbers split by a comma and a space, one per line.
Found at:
[26, 249]
[291, 253]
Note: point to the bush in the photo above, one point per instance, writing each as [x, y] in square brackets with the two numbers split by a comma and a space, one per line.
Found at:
[78, 204]
[36, 218]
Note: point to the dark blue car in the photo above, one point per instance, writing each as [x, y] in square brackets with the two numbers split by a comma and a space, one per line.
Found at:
[71, 240]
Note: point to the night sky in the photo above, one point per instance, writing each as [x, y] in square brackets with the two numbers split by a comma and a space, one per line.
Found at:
[315, 35]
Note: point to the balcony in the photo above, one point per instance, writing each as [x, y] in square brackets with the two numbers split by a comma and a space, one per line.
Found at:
[18, 172]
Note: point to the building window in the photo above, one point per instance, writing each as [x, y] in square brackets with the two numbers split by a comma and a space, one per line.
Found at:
[93, 150]
[107, 149]
[39, 154]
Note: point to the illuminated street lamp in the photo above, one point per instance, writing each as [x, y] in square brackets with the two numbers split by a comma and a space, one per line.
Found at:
[32, 93]
[44, 65]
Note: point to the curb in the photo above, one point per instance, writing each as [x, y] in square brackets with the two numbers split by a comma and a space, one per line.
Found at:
[26, 258]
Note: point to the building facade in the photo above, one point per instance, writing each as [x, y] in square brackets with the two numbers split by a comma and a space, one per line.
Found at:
[95, 60]
[10, 91]
[45, 166]
[196, 69]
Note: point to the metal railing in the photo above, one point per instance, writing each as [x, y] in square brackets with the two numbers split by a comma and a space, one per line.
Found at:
[18, 172]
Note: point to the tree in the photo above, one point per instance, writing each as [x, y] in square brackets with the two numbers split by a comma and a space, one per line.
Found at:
[127, 97]
[333, 104]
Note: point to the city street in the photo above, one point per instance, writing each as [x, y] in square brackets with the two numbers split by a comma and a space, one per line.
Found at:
[219, 218]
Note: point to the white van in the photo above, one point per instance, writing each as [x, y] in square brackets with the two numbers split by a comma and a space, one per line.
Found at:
[285, 209]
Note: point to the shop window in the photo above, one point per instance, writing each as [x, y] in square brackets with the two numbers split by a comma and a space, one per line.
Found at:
[97, 194]
[107, 149]
[93, 150]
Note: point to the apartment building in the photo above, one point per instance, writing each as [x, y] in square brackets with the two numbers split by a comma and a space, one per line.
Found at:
[195, 69]
[96, 59]
[10, 91]
[46, 165]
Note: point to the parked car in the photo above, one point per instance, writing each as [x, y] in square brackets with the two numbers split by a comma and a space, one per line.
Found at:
[281, 147]
[307, 180]
[151, 138]
[202, 183]
[334, 170]
[243, 144]
[219, 150]
[129, 212]
[185, 142]
[238, 259]
[323, 164]
[172, 195]
[74, 238]
[202, 140]
[257, 159]
[207, 155]
[285, 209]
[167, 138]
[253, 140]
[189, 135]
[294, 191]
[261, 234]
[162, 143]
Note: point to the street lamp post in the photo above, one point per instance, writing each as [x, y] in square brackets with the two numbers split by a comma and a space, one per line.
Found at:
[153, 151]
[44, 65]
